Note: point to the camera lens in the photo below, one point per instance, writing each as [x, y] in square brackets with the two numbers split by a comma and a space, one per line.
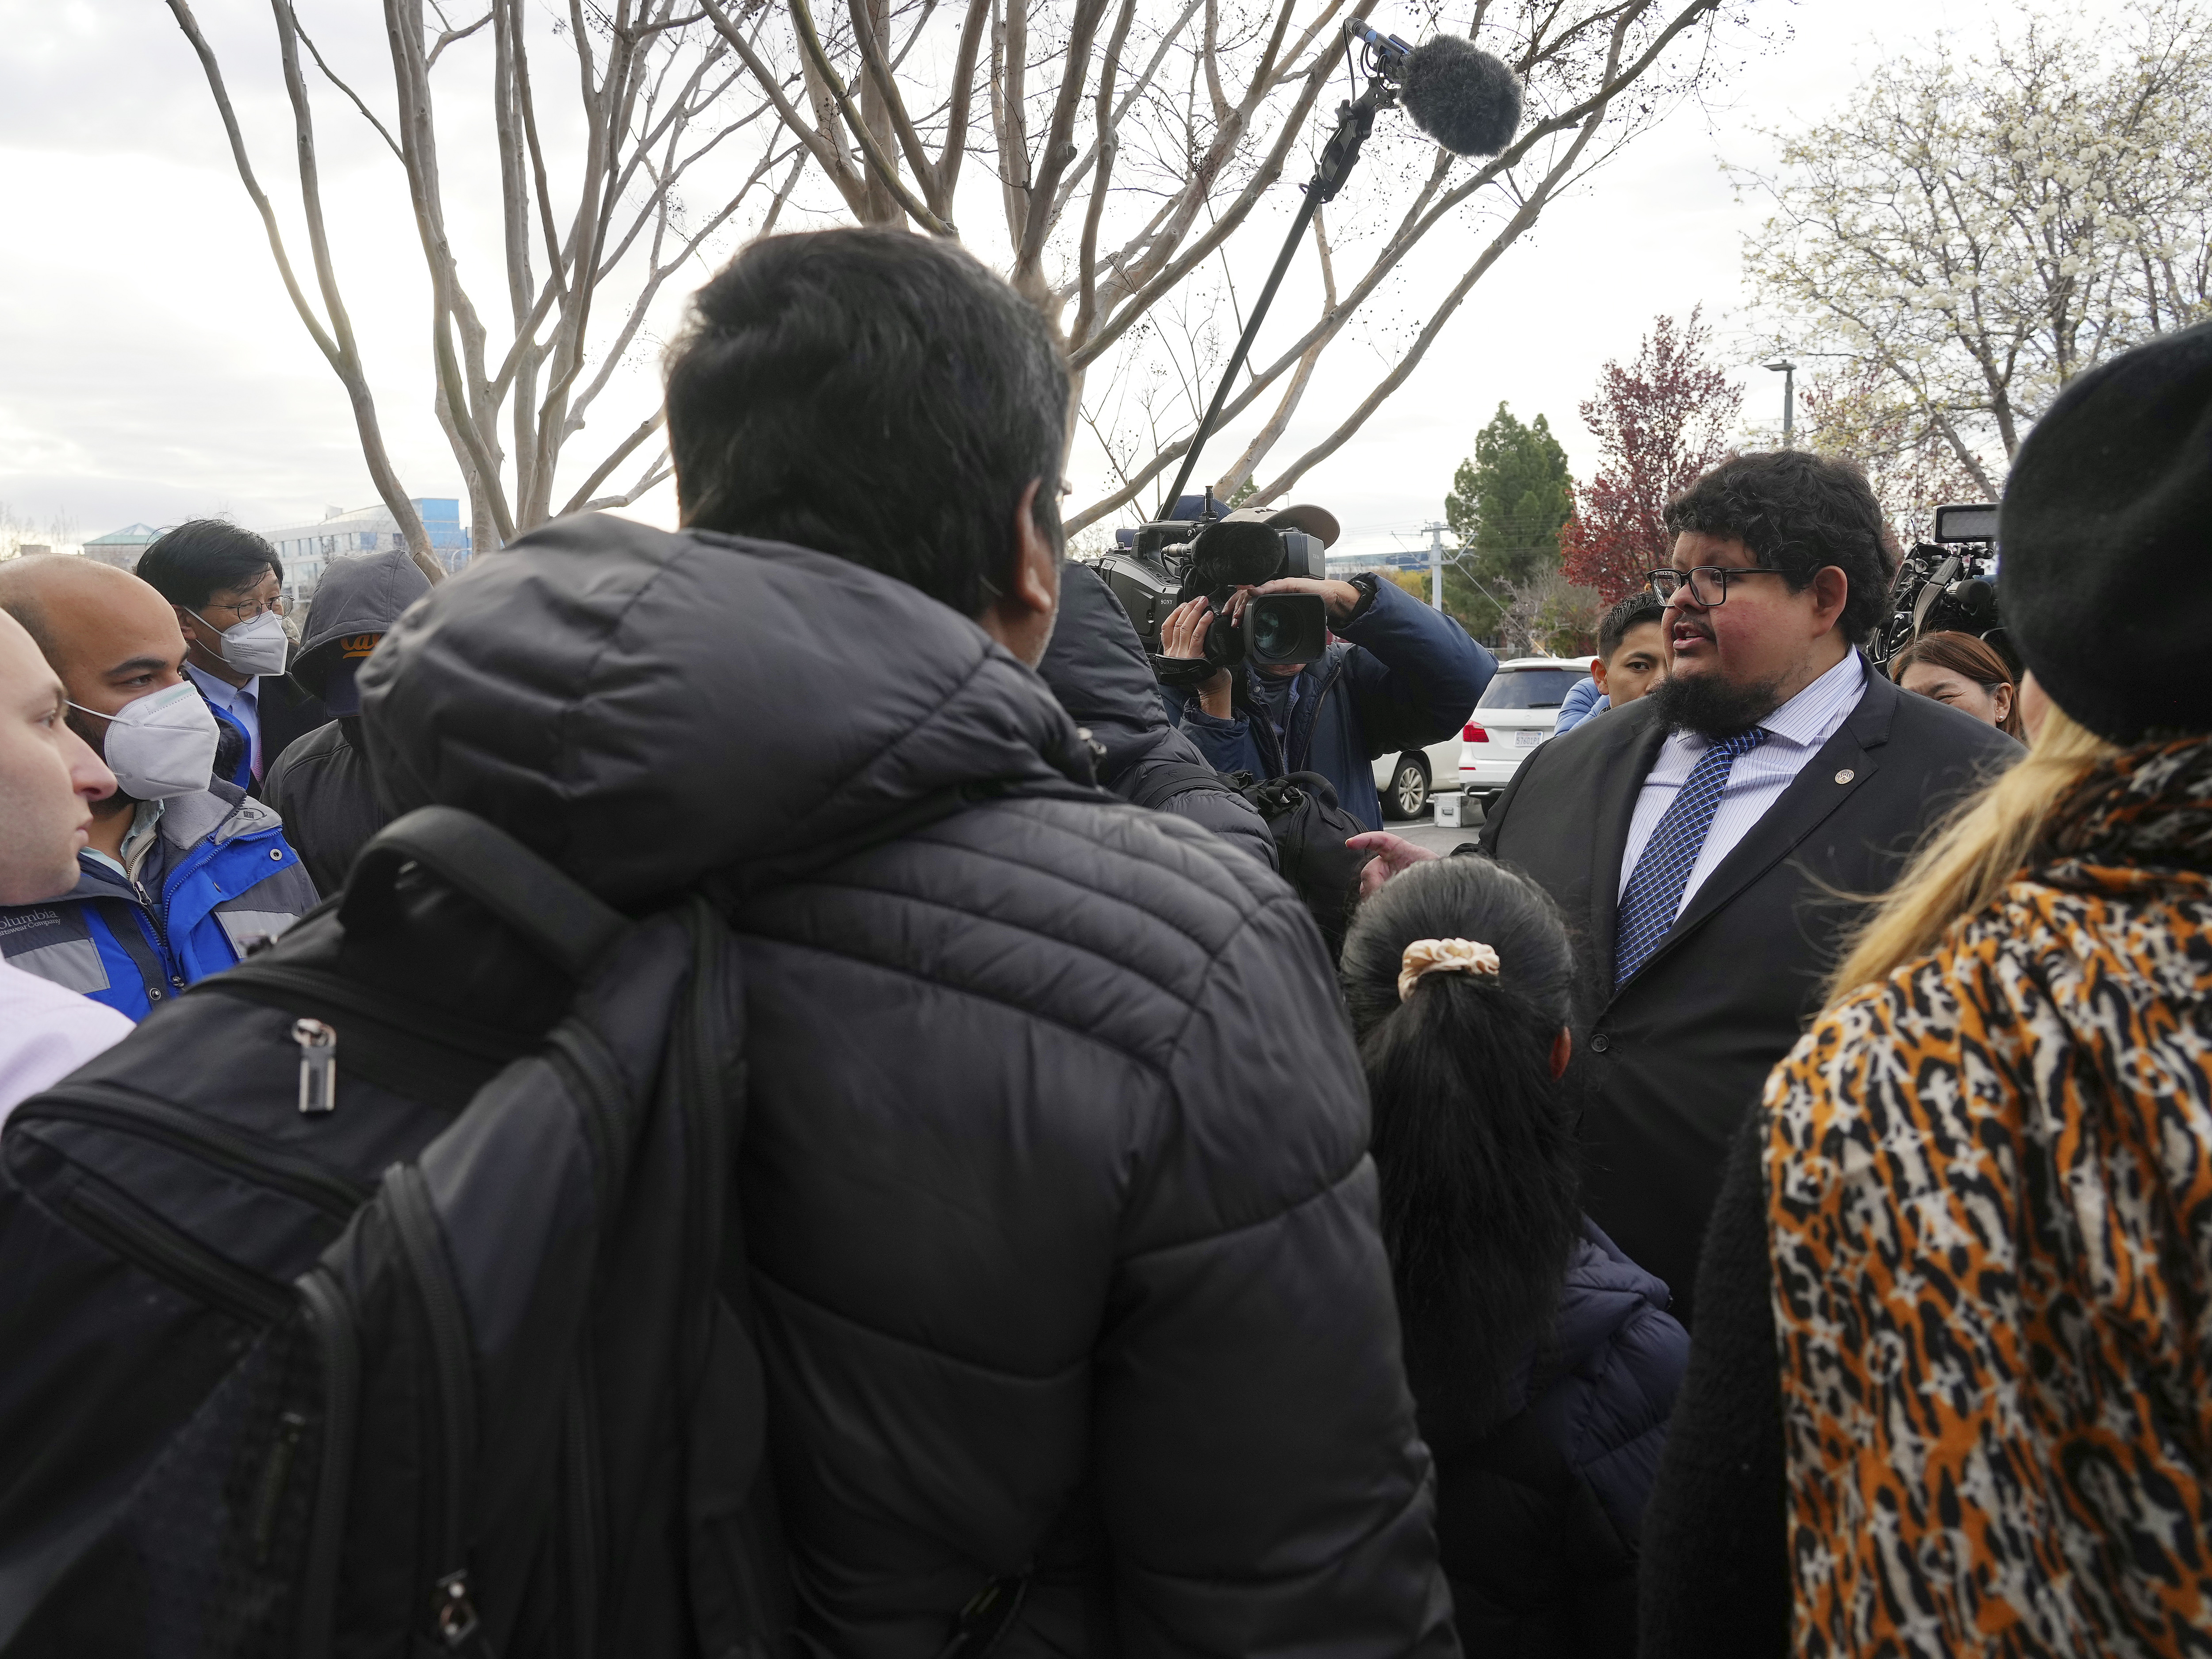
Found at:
[1273, 634]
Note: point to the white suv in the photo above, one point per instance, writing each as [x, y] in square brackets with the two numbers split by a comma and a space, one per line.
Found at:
[1407, 782]
[1518, 709]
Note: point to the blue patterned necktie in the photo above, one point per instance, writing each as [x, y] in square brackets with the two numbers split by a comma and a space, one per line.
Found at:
[1654, 890]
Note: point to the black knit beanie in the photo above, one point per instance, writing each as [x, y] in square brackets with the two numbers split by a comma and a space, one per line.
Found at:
[2106, 583]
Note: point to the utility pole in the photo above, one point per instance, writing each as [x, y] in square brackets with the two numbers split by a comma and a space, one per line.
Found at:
[1787, 371]
[1437, 563]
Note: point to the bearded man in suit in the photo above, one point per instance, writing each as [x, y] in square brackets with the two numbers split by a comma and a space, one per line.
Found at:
[1713, 844]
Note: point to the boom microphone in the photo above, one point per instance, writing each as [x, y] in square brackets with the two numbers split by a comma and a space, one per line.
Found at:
[1461, 96]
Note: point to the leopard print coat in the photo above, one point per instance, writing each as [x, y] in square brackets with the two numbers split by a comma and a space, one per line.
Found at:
[1988, 1187]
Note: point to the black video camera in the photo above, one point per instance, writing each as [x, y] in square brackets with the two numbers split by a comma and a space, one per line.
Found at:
[1948, 585]
[1173, 560]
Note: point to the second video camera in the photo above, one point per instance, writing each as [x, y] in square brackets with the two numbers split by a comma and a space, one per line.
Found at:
[1948, 585]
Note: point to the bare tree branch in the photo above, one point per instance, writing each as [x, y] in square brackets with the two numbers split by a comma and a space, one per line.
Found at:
[878, 163]
[620, 452]
[367, 115]
[335, 343]
[450, 35]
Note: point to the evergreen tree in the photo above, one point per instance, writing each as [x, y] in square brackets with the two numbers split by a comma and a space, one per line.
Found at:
[1506, 506]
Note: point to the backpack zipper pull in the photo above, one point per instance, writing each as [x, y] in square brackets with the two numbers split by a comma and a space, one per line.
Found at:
[453, 1611]
[319, 1066]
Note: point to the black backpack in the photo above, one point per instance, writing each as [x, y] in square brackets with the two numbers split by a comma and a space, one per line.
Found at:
[1309, 826]
[386, 1294]
[1310, 830]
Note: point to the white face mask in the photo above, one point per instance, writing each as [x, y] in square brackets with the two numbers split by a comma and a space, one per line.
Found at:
[258, 646]
[163, 744]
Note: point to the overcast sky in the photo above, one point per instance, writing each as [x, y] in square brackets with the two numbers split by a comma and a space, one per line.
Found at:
[151, 367]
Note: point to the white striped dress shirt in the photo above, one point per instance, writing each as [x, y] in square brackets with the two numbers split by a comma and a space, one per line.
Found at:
[1795, 734]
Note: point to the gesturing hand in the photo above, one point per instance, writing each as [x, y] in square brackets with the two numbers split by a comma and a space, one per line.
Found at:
[1392, 855]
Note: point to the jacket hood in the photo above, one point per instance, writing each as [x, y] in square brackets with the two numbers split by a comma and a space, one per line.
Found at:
[362, 596]
[643, 706]
[1096, 666]
[357, 600]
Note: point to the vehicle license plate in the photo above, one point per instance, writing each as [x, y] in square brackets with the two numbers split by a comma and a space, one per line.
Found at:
[1528, 739]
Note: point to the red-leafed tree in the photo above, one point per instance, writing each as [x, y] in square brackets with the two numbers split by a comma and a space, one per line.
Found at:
[1659, 423]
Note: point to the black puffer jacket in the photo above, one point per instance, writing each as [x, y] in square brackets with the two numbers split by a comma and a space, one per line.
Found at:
[1098, 668]
[1055, 1179]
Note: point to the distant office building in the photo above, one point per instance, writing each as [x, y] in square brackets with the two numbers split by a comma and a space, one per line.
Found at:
[1351, 564]
[121, 548]
[308, 549]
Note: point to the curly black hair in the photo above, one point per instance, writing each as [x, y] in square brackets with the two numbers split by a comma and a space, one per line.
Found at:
[1798, 513]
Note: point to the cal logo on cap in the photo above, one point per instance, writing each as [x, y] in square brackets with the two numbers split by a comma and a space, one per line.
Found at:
[354, 647]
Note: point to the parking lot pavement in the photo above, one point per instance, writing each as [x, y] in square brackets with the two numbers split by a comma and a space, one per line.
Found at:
[1426, 833]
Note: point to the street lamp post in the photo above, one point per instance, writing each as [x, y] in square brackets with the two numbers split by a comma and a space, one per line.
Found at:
[1787, 371]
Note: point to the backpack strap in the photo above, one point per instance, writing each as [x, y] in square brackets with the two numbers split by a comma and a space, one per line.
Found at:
[1163, 782]
[572, 927]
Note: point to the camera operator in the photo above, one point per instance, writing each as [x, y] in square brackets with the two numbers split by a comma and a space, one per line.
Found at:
[1397, 675]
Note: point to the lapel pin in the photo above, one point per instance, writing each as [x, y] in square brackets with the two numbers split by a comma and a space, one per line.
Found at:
[1845, 775]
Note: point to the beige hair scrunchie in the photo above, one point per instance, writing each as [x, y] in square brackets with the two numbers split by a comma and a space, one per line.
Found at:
[1444, 956]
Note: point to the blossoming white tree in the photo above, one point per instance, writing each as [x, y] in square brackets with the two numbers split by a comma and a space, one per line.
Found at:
[1974, 231]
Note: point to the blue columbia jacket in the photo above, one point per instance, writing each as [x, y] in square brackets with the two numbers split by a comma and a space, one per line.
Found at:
[1398, 676]
[219, 877]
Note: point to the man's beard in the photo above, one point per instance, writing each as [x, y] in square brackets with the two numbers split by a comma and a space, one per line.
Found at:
[1710, 707]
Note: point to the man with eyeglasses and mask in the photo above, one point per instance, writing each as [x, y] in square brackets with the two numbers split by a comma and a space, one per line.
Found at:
[225, 584]
[1712, 844]
[181, 873]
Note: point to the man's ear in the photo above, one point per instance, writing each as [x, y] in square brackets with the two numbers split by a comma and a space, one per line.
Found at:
[1036, 571]
[194, 628]
[1597, 675]
[1832, 592]
[1021, 618]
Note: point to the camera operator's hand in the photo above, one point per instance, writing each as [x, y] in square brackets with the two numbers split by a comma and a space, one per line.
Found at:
[1183, 634]
[1339, 599]
[1393, 854]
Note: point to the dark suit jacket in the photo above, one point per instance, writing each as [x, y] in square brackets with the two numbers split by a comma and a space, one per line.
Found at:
[1671, 1061]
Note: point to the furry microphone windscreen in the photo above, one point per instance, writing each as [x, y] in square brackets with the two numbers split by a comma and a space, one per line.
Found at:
[1461, 96]
[1236, 553]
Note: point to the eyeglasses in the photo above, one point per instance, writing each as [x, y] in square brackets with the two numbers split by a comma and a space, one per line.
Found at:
[247, 612]
[1708, 583]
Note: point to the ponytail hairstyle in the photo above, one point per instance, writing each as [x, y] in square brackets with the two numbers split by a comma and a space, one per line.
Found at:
[1474, 1138]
